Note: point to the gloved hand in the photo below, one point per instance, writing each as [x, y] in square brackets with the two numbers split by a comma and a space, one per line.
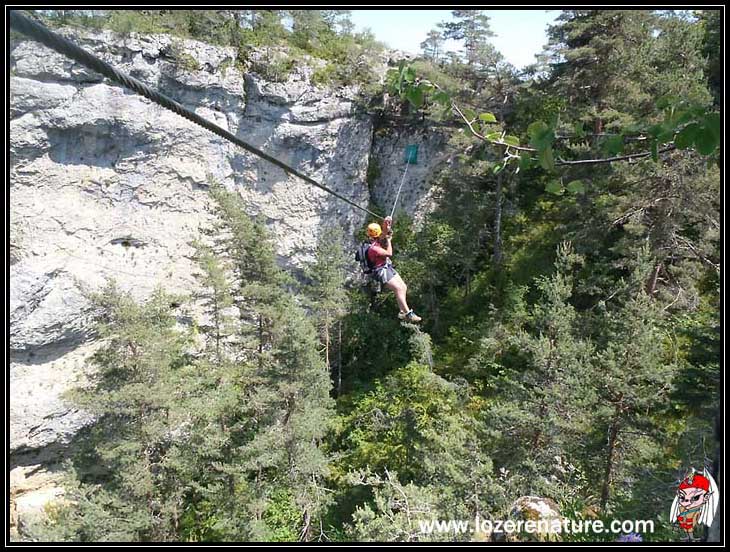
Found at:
[387, 225]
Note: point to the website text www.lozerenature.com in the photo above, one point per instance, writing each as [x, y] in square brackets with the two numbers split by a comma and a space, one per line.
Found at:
[538, 527]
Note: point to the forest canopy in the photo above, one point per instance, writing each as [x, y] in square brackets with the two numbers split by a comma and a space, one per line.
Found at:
[568, 279]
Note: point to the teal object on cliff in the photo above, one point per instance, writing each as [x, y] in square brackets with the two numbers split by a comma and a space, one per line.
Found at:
[412, 154]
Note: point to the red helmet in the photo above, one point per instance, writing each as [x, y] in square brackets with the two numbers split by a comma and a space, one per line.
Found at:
[695, 481]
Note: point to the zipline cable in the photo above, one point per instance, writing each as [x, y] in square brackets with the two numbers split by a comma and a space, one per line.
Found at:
[40, 33]
[402, 180]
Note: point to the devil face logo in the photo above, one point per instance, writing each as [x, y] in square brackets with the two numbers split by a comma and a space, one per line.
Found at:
[695, 503]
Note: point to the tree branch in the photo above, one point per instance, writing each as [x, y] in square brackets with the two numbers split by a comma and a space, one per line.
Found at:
[639, 210]
[697, 253]
[484, 138]
[563, 163]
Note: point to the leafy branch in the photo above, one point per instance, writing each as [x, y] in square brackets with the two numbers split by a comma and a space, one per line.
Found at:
[685, 126]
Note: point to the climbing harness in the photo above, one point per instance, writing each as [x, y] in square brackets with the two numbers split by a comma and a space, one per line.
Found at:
[40, 33]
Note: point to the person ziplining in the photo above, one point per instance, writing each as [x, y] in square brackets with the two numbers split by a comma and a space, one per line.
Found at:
[375, 254]
[375, 259]
[379, 256]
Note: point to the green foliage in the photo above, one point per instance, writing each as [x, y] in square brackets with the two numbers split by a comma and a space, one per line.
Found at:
[195, 446]
[554, 187]
[711, 50]
[324, 34]
[276, 67]
[698, 378]
[283, 517]
[580, 364]
[575, 187]
[142, 360]
[182, 59]
[328, 298]
[395, 511]
[471, 26]
[414, 422]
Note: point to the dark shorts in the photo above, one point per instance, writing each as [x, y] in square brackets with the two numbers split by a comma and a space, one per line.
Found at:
[384, 274]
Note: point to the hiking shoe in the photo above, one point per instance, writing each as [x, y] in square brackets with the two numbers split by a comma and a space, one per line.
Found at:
[409, 316]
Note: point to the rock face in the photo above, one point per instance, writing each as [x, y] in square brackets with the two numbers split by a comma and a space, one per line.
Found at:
[32, 490]
[388, 164]
[543, 512]
[105, 184]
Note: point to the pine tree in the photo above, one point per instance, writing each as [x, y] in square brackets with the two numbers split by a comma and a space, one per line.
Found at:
[543, 405]
[414, 423]
[712, 50]
[471, 26]
[396, 511]
[259, 279]
[634, 380]
[216, 295]
[329, 297]
[131, 392]
[432, 45]
[287, 400]
[617, 67]
[601, 59]
[286, 406]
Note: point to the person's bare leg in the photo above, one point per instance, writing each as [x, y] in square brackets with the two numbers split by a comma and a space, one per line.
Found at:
[399, 288]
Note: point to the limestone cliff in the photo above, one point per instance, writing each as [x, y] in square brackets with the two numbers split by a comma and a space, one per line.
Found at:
[105, 184]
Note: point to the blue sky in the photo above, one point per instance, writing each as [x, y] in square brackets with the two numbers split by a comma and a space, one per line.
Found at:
[520, 33]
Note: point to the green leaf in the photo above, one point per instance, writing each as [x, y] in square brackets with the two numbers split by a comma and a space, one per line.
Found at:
[711, 122]
[498, 168]
[576, 187]
[494, 136]
[442, 98]
[426, 87]
[541, 135]
[546, 159]
[525, 161]
[488, 118]
[536, 129]
[409, 74]
[613, 145]
[685, 138]
[415, 96]
[470, 114]
[708, 137]
[512, 140]
[705, 141]
[554, 187]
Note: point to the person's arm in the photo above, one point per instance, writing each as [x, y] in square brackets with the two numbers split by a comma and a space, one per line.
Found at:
[386, 251]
